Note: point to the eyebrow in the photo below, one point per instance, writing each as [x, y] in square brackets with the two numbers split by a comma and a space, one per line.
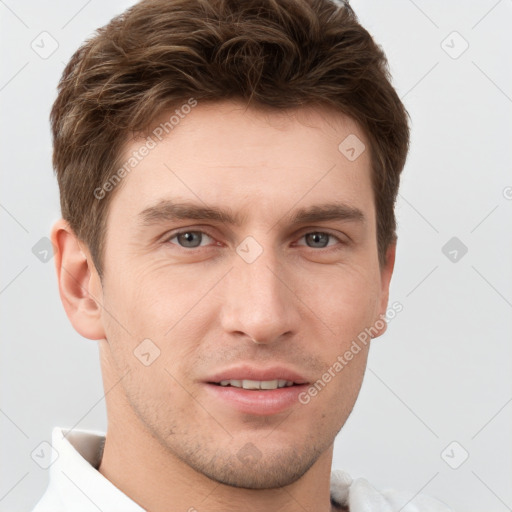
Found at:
[168, 210]
[328, 211]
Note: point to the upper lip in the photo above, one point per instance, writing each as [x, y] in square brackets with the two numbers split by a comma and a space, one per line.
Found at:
[251, 372]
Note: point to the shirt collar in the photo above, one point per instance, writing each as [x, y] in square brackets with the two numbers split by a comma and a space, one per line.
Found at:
[75, 477]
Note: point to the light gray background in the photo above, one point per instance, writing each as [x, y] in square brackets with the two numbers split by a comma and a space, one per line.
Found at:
[441, 373]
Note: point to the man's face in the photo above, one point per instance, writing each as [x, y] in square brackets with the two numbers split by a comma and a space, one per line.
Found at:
[273, 276]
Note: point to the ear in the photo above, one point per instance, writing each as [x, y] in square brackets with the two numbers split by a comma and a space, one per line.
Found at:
[79, 283]
[386, 272]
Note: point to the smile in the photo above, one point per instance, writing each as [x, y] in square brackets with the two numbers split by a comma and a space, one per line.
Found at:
[257, 384]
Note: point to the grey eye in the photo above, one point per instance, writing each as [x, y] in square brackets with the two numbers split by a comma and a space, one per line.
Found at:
[189, 238]
[317, 240]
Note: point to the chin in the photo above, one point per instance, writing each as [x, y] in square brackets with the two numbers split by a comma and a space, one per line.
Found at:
[251, 469]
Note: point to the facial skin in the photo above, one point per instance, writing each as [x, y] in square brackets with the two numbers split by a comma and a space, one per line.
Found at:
[174, 439]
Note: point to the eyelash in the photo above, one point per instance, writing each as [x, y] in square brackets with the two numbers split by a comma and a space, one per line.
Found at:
[189, 249]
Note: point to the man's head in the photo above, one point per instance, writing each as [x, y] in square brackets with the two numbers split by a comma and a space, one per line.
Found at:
[161, 53]
[228, 172]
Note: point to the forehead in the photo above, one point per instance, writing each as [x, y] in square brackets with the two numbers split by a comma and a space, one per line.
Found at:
[225, 153]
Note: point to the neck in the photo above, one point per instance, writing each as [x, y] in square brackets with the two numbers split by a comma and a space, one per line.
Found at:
[137, 464]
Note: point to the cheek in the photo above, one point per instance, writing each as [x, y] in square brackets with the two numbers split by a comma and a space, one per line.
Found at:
[344, 298]
[346, 306]
[159, 304]
[151, 298]
[330, 399]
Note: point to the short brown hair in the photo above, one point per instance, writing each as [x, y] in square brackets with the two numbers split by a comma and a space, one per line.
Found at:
[273, 53]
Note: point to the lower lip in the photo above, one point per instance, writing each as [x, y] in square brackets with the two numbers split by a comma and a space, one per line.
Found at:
[262, 403]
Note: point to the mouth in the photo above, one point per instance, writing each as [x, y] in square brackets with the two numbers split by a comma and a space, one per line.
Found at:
[256, 385]
[256, 391]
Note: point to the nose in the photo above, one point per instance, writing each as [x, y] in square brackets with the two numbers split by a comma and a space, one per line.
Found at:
[259, 303]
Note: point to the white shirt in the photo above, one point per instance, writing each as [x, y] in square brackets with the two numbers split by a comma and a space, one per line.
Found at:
[76, 485]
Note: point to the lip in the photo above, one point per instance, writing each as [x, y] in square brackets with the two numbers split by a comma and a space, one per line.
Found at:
[254, 402]
[255, 373]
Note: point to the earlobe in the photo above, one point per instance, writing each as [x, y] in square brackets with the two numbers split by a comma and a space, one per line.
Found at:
[79, 284]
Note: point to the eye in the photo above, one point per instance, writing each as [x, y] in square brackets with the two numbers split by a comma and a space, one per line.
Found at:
[190, 239]
[319, 239]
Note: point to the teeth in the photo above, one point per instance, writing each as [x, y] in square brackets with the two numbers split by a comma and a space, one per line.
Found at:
[257, 384]
[251, 384]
